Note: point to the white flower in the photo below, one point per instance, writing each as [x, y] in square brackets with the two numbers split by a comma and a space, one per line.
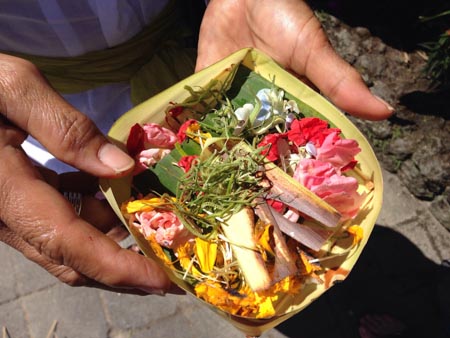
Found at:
[271, 100]
[289, 119]
[243, 112]
[291, 106]
[269, 111]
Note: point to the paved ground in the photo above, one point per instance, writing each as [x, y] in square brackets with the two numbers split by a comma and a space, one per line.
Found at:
[399, 273]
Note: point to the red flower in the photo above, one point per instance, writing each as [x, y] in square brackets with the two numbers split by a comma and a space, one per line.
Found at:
[309, 129]
[182, 131]
[276, 205]
[135, 141]
[186, 162]
[349, 166]
[176, 110]
[172, 115]
[269, 142]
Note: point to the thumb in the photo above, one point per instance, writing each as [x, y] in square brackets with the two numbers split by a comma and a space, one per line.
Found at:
[27, 100]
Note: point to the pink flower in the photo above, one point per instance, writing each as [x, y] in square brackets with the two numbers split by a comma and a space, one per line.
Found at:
[148, 144]
[150, 135]
[164, 226]
[340, 153]
[149, 157]
[326, 182]
[156, 136]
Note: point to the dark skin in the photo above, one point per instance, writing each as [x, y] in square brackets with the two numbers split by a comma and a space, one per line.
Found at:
[288, 31]
[39, 222]
[36, 219]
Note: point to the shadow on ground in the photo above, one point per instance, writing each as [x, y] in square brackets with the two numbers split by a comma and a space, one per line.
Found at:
[391, 277]
[423, 103]
[397, 22]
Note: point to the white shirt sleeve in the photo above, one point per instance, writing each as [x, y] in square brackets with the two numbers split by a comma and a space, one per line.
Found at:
[70, 28]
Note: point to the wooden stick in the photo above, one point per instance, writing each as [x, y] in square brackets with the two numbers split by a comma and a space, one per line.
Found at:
[239, 230]
[289, 191]
[284, 261]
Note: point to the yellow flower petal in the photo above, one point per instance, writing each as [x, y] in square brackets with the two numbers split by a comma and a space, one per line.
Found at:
[357, 232]
[206, 253]
[306, 267]
[158, 250]
[266, 238]
[184, 253]
[266, 308]
[193, 131]
[243, 302]
[149, 204]
[290, 285]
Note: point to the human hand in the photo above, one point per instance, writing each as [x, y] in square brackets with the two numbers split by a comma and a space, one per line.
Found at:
[34, 216]
[289, 32]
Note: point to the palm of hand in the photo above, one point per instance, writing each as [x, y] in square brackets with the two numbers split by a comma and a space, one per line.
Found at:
[289, 32]
[286, 30]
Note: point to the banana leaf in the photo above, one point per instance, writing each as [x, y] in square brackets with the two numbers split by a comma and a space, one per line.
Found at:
[249, 70]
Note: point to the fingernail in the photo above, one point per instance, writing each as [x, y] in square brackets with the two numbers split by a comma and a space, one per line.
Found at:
[116, 159]
[389, 107]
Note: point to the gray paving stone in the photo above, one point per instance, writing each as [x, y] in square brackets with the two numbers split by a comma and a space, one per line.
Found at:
[133, 312]
[199, 324]
[28, 276]
[395, 198]
[78, 312]
[13, 319]
[7, 278]
[437, 235]
[411, 218]
[201, 321]
[433, 238]
[31, 299]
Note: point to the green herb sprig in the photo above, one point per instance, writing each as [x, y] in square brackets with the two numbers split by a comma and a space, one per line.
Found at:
[218, 187]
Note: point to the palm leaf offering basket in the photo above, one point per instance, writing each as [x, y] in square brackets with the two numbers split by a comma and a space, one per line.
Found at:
[249, 70]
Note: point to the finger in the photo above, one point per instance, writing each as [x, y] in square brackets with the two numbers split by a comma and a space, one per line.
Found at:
[63, 238]
[64, 273]
[10, 134]
[341, 83]
[213, 46]
[30, 103]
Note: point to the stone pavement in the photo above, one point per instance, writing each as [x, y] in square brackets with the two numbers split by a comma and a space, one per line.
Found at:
[399, 273]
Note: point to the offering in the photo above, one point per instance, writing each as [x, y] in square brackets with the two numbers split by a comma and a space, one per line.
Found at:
[252, 191]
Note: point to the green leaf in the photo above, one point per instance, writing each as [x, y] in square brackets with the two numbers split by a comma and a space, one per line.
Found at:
[167, 171]
[247, 83]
